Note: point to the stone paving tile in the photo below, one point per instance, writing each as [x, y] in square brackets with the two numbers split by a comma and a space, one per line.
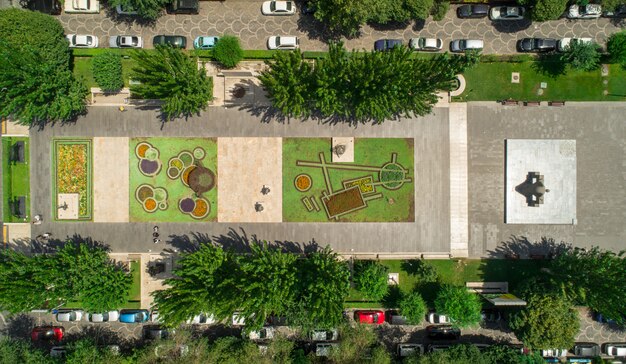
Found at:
[244, 19]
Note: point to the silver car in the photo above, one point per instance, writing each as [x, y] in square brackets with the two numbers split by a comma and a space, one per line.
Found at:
[462, 45]
[278, 8]
[426, 44]
[277, 42]
[69, 315]
[125, 41]
[103, 316]
[82, 41]
[324, 335]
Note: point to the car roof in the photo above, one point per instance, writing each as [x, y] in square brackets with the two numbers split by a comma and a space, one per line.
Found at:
[473, 43]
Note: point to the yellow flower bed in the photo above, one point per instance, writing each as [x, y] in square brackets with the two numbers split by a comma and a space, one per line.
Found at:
[72, 172]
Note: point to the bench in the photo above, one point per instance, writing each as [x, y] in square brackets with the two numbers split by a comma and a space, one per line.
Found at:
[19, 207]
[17, 152]
[488, 287]
[556, 103]
[532, 103]
[510, 102]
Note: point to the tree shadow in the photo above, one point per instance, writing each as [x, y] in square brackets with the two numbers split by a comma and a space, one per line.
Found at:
[392, 297]
[419, 24]
[19, 326]
[519, 247]
[99, 335]
[549, 64]
[389, 27]
[511, 26]
[314, 29]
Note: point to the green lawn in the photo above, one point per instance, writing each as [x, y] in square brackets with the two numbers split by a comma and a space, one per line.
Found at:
[135, 290]
[394, 206]
[492, 81]
[15, 179]
[455, 271]
[83, 69]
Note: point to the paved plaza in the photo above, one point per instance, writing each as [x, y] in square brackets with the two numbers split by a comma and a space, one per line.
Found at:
[244, 19]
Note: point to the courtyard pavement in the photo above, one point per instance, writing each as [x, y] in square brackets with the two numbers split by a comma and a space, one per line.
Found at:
[244, 19]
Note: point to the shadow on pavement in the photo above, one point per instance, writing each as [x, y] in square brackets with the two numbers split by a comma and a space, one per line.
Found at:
[519, 247]
[20, 326]
[511, 26]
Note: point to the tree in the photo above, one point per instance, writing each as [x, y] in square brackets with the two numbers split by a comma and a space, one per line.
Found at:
[24, 281]
[465, 353]
[460, 305]
[228, 51]
[370, 277]
[342, 16]
[616, 46]
[20, 351]
[356, 341]
[38, 84]
[86, 351]
[146, 9]
[107, 70]
[579, 55]
[591, 277]
[542, 10]
[170, 75]
[548, 321]
[413, 307]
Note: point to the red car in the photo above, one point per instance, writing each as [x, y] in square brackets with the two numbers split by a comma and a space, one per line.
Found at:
[369, 317]
[47, 333]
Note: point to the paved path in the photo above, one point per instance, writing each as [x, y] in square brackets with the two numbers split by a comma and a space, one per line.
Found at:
[244, 19]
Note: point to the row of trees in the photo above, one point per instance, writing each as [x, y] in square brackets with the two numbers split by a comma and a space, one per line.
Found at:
[309, 291]
[36, 81]
[77, 272]
[359, 86]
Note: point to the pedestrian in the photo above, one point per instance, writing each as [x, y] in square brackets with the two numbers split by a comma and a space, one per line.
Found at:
[155, 235]
[155, 229]
[156, 240]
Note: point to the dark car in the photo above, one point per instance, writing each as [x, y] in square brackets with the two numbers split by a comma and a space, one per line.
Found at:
[490, 315]
[47, 333]
[619, 12]
[472, 11]
[387, 44]
[443, 332]
[183, 7]
[586, 349]
[52, 7]
[536, 45]
[176, 41]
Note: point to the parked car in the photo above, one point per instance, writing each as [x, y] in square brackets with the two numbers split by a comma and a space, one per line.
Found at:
[435, 318]
[562, 44]
[472, 11]
[278, 42]
[443, 332]
[375, 317]
[47, 333]
[615, 349]
[462, 45]
[103, 316]
[324, 349]
[426, 44]
[586, 349]
[553, 353]
[57, 351]
[69, 315]
[507, 13]
[589, 11]
[125, 10]
[125, 41]
[387, 44]
[395, 318]
[134, 316]
[183, 7]
[406, 349]
[82, 6]
[155, 317]
[202, 318]
[82, 40]
[205, 42]
[52, 7]
[238, 319]
[277, 7]
[490, 315]
[265, 333]
[158, 332]
[619, 12]
[324, 335]
[176, 41]
[607, 320]
[536, 45]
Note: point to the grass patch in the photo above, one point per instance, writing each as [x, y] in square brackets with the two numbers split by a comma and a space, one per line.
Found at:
[15, 179]
[492, 81]
[457, 272]
[134, 294]
[83, 69]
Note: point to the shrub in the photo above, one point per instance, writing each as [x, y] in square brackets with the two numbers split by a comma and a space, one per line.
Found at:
[370, 278]
[548, 9]
[584, 56]
[413, 307]
[107, 70]
[462, 306]
[228, 51]
[440, 9]
[616, 46]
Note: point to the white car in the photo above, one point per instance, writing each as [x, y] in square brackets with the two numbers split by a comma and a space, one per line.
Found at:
[562, 44]
[435, 318]
[82, 41]
[238, 319]
[125, 41]
[69, 315]
[615, 349]
[277, 42]
[82, 6]
[506, 13]
[462, 45]
[324, 335]
[553, 353]
[103, 316]
[278, 8]
[202, 318]
[426, 44]
[265, 333]
[589, 11]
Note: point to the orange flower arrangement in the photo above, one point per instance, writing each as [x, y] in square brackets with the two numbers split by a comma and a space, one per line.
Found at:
[303, 182]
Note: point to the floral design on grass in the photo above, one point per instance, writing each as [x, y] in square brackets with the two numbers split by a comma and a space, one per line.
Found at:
[72, 173]
[198, 208]
[149, 163]
[151, 198]
[303, 182]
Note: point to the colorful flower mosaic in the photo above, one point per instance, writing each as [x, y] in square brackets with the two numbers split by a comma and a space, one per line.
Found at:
[73, 172]
[151, 198]
[149, 163]
[197, 208]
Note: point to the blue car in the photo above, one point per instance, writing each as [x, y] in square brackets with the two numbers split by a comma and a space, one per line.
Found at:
[134, 316]
[205, 42]
[387, 44]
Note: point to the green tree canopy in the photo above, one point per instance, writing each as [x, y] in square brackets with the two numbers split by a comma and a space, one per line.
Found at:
[170, 75]
[228, 51]
[547, 322]
[20, 351]
[459, 304]
[584, 56]
[466, 353]
[146, 9]
[616, 46]
[357, 343]
[542, 10]
[413, 307]
[370, 278]
[107, 70]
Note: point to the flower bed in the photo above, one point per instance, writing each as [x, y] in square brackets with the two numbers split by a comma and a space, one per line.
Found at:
[73, 172]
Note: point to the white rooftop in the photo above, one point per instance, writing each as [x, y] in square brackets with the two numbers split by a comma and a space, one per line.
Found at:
[555, 160]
